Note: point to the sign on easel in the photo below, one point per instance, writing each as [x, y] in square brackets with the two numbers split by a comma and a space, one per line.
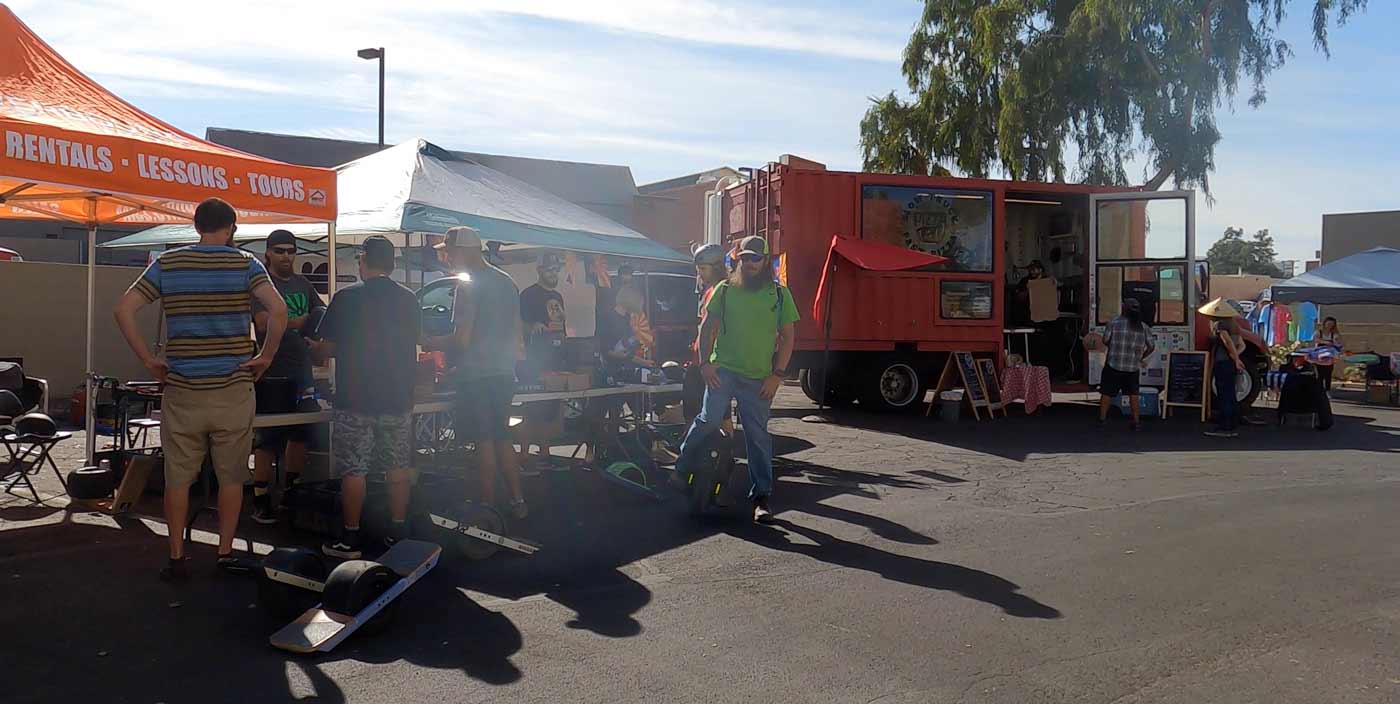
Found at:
[1188, 383]
[962, 367]
[988, 370]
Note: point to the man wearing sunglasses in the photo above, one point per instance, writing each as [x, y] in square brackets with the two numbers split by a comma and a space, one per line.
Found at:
[746, 339]
[288, 385]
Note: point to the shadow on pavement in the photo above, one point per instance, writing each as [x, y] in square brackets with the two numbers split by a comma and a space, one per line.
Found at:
[943, 576]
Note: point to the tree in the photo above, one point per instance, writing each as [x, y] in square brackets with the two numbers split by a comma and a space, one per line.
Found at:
[1018, 86]
[1233, 254]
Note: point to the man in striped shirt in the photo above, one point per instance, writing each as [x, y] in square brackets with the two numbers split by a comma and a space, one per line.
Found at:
[206, 292]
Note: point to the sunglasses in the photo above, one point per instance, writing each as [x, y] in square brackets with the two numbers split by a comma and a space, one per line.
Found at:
[283, 250]
[751, 258]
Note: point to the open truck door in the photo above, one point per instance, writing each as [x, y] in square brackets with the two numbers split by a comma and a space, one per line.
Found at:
[1142, 245]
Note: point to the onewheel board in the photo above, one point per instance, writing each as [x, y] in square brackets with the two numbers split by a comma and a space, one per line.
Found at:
[357, 586]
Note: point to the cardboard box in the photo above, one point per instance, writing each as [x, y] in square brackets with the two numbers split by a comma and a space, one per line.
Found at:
[579, 382]
[555, 382]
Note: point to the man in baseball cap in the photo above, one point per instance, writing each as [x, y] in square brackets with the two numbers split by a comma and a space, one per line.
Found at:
[481, 352]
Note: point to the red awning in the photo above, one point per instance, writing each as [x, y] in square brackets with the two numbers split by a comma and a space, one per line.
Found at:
[872, 256]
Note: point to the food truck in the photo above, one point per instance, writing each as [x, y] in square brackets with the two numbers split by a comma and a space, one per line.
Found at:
[888, 333]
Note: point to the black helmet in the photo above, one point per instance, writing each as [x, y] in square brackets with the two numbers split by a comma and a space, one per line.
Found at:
[37, 425]
[673, 371]
[10, 405]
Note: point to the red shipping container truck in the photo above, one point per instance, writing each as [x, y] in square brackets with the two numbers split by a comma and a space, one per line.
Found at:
[890, 332]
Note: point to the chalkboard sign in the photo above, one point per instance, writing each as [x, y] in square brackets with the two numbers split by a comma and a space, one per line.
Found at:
[961, 366]
[972, 381]
[1187, 382]
[989, 379]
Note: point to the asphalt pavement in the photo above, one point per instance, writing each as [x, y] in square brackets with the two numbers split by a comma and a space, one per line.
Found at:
[1025, 559]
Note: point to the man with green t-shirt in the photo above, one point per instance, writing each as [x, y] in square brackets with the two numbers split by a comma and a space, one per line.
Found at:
[746, 337]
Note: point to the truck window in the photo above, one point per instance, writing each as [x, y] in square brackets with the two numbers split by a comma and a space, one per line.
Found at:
[1142, 229]
[967, 300]
[952, 223]
[1159, 288]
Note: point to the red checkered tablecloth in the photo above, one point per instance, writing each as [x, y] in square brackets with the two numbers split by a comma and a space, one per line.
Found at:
[1028, 384]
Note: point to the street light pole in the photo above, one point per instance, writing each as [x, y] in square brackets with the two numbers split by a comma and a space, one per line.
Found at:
[377, 54]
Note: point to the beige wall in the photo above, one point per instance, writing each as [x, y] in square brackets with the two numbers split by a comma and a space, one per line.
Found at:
[1239, 287]
[42, 319]
[1348, 233]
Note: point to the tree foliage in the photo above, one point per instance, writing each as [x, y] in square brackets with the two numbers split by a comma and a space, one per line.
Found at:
[1233, 254]
[1026, 87]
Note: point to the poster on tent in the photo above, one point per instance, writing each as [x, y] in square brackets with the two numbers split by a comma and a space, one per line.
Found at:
[580, 297]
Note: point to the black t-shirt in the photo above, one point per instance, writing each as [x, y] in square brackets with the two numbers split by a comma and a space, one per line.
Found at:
[543, 306]
[614, 333]
[374, 325]
[293, 358]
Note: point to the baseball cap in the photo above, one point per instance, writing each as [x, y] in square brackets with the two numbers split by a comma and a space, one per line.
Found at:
[460, 236]
[377, 245]
[753, 245]
[277, 238]
[550, 260]
[708, 254]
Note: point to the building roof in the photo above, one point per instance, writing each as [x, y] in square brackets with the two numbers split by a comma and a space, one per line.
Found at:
[687, 180]
[605, 189]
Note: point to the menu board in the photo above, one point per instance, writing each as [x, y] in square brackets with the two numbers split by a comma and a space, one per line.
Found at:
[989, 377]
[1186, 381]
[961, 366]
[972, 381]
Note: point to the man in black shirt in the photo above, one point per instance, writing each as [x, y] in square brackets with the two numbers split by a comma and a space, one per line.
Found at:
[371, 329]
[542, 312]
[288, 384]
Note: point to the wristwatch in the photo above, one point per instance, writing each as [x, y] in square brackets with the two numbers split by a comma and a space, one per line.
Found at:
[781, 373]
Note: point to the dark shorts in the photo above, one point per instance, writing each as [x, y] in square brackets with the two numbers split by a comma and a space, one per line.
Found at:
[1115, 382]
[482, 409]
[277, 395]
[365, 443]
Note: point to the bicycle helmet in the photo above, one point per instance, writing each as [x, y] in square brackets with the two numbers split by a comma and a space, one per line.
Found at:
[708, 254]
[673, 371]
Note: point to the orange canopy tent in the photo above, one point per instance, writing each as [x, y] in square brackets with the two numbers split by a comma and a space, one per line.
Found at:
[73, 151]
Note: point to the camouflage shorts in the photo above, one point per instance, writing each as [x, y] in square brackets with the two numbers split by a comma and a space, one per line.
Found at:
[364, 443]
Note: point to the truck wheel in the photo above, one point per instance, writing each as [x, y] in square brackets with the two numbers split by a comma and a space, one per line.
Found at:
[811, 379]
[893, 384]
[1251, 382]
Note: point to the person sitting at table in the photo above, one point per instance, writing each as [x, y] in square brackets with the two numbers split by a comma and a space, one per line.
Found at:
[371, 328]
[211, 360]
[482, 352]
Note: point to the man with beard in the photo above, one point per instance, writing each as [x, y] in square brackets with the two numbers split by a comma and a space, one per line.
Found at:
[542, 312]
[746, 339]
[288, 384]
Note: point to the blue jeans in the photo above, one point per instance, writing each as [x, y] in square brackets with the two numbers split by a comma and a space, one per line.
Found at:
[753, 413]
[1227, 405]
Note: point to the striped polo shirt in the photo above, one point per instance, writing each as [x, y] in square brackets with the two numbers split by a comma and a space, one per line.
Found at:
[207, 295]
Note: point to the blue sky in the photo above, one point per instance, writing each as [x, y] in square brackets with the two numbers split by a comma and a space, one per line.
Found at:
[669, 87]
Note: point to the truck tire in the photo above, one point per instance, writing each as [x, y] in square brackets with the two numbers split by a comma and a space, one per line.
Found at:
[1250, 382]
[810, 381]
[893, 384]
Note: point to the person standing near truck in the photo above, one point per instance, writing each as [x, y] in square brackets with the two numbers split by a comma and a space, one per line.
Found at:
[709, 272]
[746, 340]
[1225, 347]
[1129, 342]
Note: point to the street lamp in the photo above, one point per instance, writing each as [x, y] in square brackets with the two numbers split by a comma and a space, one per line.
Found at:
[370, 54]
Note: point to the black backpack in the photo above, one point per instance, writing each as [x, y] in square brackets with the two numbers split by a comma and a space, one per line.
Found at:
[11, 378]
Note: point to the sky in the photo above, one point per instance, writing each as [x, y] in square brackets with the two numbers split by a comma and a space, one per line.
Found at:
[670, 87]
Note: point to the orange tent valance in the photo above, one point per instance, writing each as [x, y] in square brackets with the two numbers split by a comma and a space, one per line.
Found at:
[71, 150]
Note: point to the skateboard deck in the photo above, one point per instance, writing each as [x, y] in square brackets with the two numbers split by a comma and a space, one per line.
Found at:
[519, 546]
[322, 630]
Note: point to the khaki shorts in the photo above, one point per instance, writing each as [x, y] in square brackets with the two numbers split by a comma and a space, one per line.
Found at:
[217, 423]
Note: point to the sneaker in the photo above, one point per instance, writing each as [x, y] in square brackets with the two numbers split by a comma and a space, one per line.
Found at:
[396, 533]
[761, 514]
[262, 510]
[233, 565]
[519, 509]
[347, 547]
[1217, 433]
[175, 570]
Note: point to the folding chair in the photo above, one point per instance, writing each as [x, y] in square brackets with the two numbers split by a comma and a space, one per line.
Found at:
[27, 456]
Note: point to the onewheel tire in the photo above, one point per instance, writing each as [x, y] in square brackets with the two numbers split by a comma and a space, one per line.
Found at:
[354, 585]
[487, 519]
[91, 483]
[289, 600]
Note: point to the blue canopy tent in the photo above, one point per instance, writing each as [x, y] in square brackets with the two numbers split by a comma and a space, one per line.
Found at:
[418, 187]
[1372, 276]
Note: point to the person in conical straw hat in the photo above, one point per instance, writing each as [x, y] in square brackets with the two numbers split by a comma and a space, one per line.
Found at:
[1226, 365]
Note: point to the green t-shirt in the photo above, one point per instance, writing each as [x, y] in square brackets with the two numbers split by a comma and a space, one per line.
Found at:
[748, 326]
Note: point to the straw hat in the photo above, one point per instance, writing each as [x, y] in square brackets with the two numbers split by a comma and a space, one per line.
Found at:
[1218, 308]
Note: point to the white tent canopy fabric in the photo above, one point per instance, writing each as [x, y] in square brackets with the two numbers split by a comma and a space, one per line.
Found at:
[417, 187]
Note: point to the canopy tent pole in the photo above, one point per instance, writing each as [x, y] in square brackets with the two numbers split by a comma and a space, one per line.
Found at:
[822, 415]
[90, 409]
